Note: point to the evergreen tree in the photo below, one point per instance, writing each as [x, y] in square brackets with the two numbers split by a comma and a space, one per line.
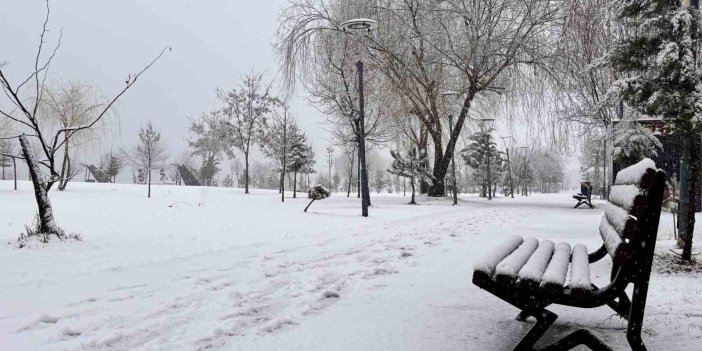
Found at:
[475, 155]
[656, 63]
[5, 149]
[336, 182]
[414, 166]
[634, 142]
[208, 140]
[301, 156]
[379, 181]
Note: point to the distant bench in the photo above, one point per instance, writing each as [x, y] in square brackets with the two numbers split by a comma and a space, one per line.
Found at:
[585, 195]
[531, 275]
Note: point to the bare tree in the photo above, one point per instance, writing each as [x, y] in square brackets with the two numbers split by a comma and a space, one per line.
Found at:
[150, 153]
[245, 110]
[68, 104]
[25, 101]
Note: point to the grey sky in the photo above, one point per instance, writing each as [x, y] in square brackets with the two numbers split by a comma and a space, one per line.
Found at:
[214, 43]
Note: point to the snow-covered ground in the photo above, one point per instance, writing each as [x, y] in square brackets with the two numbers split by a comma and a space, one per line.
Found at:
[211, 268]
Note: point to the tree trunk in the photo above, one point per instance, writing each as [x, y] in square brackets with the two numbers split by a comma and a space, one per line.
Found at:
[412, 184]
[14, 170]
[3, 166]
[246, 173]
[308, 205]
[365, 191]
[65, 168]
[348, 191]
[295, 185]
[688, 194]
[46, 215]
[148, 177]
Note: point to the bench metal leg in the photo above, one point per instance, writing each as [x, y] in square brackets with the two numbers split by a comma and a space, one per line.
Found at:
[576, 338]
[544, 319]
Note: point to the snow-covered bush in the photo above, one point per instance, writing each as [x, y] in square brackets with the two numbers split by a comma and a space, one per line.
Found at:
[318, 192]
[34, 234]
[634, 142]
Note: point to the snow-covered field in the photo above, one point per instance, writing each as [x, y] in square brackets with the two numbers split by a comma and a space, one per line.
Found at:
[211, 268]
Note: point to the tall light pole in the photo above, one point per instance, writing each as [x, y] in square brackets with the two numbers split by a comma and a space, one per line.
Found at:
[509, 166]
[360, 26]
[487, 126]
[446, 95]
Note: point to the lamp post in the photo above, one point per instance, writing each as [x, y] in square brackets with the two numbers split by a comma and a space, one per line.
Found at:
[509, 166]
[487, 125]
[360, 26]
[446, 96]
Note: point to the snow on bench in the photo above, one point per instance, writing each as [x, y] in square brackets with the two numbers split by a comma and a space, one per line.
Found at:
[610, 237]
[557, 269]
[498, 253]
[634, 174]
[533, 270]
[624, 195]
[580, 269]
[509, 267]
[617, 217]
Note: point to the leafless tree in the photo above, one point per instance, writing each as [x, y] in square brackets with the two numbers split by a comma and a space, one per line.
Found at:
[245, 110]
[68, 104]
[150, 153]
[22, 106]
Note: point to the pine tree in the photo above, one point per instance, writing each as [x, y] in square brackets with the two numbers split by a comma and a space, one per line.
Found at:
[634, 142]
[379, 181]
[414, 166]
[656, 63]
[5, 149]
[475, 155]
[301, 156]
[336, 182]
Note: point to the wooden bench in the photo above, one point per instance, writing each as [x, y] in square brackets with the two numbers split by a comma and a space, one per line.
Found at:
[531, 275]
[585, 195]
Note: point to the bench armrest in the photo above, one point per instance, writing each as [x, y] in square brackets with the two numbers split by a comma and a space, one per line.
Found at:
[597, 254]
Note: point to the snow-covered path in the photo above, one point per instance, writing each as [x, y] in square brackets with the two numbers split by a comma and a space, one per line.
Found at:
[234, 272]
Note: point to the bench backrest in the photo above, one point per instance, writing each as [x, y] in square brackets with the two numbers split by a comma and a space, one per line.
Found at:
[630, 224]
[585, 188]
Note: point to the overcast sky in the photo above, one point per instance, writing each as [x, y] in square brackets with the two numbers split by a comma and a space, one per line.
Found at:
[215, 43]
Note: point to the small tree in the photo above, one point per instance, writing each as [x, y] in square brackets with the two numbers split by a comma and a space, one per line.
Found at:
[150, 153]
[414, 166]
[317, 193]
[208, 141]
[301, 156]
[5, 150]
[379, 181]
[336, 182]
[481, 146]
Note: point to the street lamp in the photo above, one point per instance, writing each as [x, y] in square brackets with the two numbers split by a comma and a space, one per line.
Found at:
[509, 167]
[487, 125]
[361, 26]
[446, 95]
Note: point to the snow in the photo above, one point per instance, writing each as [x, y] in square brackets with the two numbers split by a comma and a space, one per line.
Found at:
[580, 268]
[624, 195]
[534, 269]
[558, 267]
[610, 237]
[236, 272]
[633, 174]
[490, 260]
[516, 260]
[617, 217]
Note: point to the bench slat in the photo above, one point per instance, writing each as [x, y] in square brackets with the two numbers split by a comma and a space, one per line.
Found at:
[580, 269]
[534, 269]
[635, 174]
[624, 195]
[506, 271]
[555, 275]
[610, 237]
[617, 217]
[486, 265]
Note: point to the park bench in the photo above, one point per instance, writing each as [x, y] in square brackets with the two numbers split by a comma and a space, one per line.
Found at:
[531, 275]
[585, 195]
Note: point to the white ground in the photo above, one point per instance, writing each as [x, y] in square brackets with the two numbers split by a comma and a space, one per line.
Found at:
[221, 270]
